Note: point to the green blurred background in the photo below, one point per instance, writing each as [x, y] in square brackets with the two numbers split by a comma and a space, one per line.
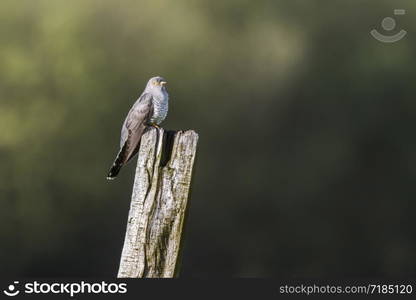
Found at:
[306, 162]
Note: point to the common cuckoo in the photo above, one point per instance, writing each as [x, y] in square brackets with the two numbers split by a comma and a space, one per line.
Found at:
[149, 110]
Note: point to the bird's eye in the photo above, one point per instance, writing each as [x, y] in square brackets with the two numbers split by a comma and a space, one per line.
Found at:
[155, 82]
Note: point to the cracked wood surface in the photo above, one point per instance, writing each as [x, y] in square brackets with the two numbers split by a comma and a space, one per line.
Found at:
[158, 205]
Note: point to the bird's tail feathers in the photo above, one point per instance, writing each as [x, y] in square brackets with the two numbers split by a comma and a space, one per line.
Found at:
[115, 169]
[118, 163]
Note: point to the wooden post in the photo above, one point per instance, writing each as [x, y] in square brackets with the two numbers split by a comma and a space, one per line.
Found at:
[158, 204]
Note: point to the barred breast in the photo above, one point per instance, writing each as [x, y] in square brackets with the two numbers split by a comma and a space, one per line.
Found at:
[160, 110]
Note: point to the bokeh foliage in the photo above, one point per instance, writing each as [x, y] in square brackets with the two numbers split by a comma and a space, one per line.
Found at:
[306, 161]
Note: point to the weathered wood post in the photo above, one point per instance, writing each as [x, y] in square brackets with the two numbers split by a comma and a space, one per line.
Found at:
[158, 204]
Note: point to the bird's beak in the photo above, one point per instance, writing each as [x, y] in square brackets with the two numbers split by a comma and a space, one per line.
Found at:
[162, 83]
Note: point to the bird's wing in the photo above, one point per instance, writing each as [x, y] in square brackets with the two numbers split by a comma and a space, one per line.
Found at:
[135, 124]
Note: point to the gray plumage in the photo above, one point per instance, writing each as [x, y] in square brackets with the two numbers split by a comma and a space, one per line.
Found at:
[149, 110]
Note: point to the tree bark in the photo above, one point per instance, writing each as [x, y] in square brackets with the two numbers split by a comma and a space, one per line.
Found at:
[158, 205]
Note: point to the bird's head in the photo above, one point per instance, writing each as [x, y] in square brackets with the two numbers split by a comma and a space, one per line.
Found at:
[156, 84]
